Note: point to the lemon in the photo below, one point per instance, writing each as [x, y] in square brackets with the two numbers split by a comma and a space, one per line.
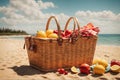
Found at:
[99, 69]
[53, 35]
[48, 32]
[95, 61]
[101, 62]
[74, 69]
[115, 68]
[41, 34]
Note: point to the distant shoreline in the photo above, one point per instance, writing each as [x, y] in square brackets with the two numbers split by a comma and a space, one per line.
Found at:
[8, 31]
[2, 34]
[15, 35]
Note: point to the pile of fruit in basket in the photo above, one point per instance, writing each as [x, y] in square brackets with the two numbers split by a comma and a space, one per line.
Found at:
[99, 66]
[89, 30]
[86, 31]
[47, 34]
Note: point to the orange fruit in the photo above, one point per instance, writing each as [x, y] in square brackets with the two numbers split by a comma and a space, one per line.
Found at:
[90, 25]
[99, 69]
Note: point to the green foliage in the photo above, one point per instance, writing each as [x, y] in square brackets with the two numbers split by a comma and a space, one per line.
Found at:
[7, 31]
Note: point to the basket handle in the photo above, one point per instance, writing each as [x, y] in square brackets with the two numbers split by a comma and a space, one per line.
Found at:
[73, 37]
[60, 40]
[58, 25]
[75, 22]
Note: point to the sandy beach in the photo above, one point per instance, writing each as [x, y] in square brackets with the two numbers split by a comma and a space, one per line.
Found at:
[14, 64]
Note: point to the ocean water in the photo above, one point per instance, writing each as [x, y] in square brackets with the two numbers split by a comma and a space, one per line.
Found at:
[109, 39]
[103, 39]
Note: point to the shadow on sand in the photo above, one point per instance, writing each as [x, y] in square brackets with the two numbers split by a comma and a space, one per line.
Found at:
[26, 70]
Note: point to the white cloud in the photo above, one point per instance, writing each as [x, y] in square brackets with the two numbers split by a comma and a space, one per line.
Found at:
[6, 10]
[107, 20]
[24, 10]
[28, 8]
[28, 13]
[101, 15]
[20, 11]
[45, 5]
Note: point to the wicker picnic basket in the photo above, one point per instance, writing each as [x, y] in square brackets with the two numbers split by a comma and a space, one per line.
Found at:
[51, 54]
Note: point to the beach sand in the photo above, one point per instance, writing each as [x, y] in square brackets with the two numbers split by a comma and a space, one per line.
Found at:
[14, 64]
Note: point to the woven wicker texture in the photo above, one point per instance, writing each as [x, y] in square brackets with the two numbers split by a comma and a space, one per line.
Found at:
[48, 54]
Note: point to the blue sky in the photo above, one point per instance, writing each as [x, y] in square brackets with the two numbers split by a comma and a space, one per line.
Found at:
[31, 15]
[71, 6]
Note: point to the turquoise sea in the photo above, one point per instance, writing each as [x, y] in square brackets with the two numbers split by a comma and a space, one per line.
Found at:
[109, 39]
[103, 39]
